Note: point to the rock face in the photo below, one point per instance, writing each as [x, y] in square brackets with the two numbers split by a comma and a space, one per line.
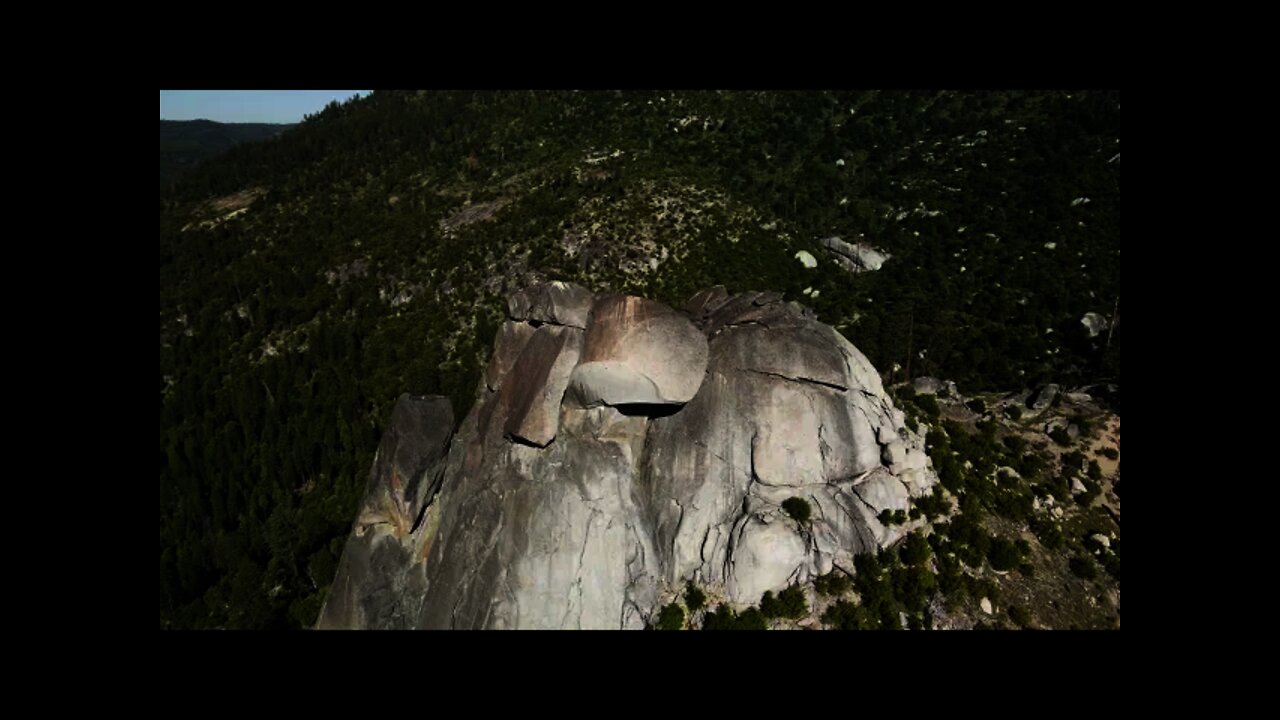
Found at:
[378, 584]
[605, 464]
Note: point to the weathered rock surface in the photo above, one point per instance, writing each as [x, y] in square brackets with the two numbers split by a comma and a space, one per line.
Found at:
[377, 584]
[602, 467]
[639, 352]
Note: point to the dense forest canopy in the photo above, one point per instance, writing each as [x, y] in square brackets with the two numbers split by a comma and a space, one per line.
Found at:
[308, 279]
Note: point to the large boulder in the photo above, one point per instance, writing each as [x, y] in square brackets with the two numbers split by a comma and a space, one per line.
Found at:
[639, 352]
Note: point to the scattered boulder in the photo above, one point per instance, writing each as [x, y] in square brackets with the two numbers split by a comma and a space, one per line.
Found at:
[1093, 323]
[1045, 397]
[927, 385]
[854, 257]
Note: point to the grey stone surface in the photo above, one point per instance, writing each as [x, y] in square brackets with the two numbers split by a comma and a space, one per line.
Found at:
[376, 584]
[586, 511]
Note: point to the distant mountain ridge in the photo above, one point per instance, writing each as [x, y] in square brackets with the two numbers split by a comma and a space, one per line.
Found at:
[183, 143]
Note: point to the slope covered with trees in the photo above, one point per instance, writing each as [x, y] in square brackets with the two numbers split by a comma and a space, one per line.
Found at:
[306, 281]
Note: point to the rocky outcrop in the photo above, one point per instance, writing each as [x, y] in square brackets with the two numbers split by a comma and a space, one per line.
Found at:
[605, 464]
[558, 303]
[855, 257]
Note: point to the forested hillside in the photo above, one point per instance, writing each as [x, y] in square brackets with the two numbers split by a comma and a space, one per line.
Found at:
[185, 143]
[308, 280]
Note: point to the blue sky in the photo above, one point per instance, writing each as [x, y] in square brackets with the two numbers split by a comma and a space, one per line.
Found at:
[247, 106]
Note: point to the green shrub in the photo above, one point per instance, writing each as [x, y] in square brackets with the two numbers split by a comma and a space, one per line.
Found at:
[1110, 453]
[1060, 436]
[1003, 555]
[844, 615]
[1015, 443]
[1091, 490]
[1014, 504]
[724, 618]
[1095, 470]
[694, 598]
[1111, 563]
[913, 586]
[1073, 461]
[797, 508]
[929, 404]
[751, 619]
[915, 549]
[1029, 465]
[833, 583]
[671, 617]
[1019, 615]
[933, 504]
[1048, 533]
[890, 616]
[977, 406]
[1014, 412]
[899, 517]
[769, 605]
[1084, 567]
[791, 603]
